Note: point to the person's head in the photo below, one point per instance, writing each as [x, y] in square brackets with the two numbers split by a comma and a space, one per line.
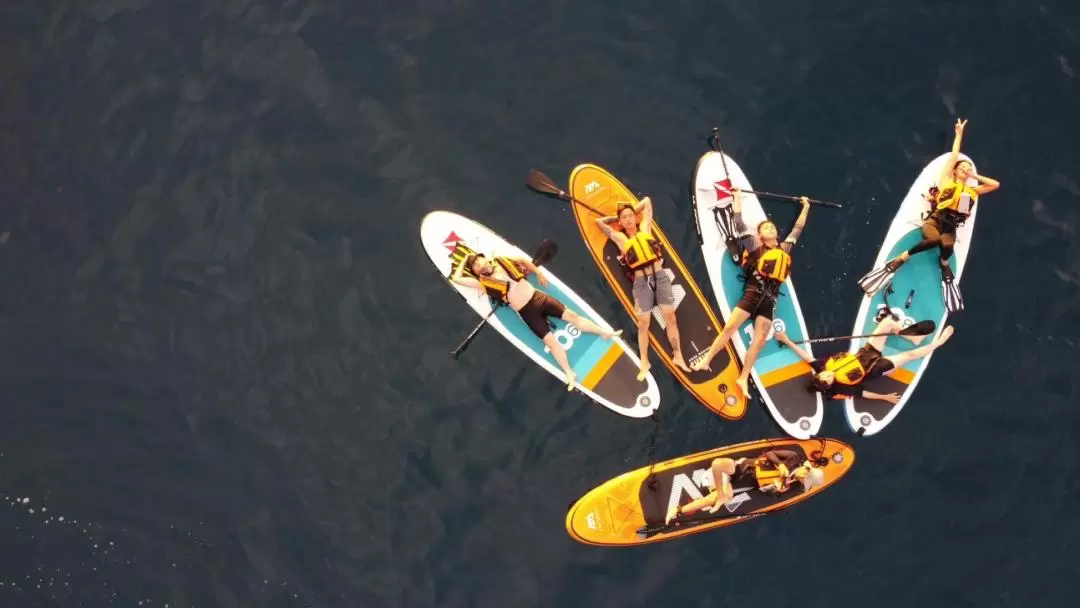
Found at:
[627, 216]
[961, 170]
[821, 381]
[767, 231]
[810, 475]
[479, 264]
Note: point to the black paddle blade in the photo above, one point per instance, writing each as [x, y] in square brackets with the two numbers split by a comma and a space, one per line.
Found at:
[545, 252]
[922, 328]
[541, 183]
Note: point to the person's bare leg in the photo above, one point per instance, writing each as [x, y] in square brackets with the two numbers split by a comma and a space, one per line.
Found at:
[738, 317]
[672, 329]
[559, 353]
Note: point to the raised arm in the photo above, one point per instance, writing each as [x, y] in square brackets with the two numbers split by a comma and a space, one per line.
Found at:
[800, 223]
[645, 208]
[783, 338]
[986, 184]
[946, 171]
[604, 223]
[459, 277]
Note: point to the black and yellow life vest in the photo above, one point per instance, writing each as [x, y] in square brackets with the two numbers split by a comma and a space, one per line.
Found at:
[955, 197]
[847, 368]
[768, 474]
[494, 288]
[767, 264]
[640, 250]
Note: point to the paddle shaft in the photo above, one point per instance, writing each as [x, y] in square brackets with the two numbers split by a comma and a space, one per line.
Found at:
[813, 340]
[780, 197]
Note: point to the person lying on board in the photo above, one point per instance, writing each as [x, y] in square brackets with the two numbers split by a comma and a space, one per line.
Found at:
[951, 206]
[644, 260]
[773, 472]
[766, 264]
[504, 279]
[843, 375]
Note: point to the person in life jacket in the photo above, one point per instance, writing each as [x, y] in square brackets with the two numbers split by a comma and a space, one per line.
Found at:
[643, 257]
[503, 278]
[842, 376]
[766, 265]
[952, 200]
[773, 472]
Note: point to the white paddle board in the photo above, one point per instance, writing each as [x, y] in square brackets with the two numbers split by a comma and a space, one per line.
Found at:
[780, 375]
[606, 369]
[916, 296]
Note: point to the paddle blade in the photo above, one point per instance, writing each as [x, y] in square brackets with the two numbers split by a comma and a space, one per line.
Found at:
[922, 328]
[541, 183]
[545, 252]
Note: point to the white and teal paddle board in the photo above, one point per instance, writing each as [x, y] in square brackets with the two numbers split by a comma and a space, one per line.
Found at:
[780, 375]
[606, 369]
[916, 296]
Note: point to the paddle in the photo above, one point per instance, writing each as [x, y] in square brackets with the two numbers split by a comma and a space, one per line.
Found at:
[922, 328]
[538, 182]
[772, 195]
[725, 219]
[544, 253]
[662, 527]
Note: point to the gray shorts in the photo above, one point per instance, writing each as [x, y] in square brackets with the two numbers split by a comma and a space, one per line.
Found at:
[645, 298]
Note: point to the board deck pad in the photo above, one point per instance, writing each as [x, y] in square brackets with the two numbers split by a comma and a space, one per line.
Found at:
[916, 296]
[698, 324]
[780, 375]
[617, 512]
[606, 369]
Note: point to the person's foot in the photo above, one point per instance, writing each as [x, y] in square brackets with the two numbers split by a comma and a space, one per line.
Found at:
[644, 372]
[571, 381]
[743, 385]
[677, 359]
[612, 334]
[700, 365]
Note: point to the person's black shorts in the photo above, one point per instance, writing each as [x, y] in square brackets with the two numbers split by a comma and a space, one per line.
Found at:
[945, 221]
[874, 362]
[538, 309]
[757, 303]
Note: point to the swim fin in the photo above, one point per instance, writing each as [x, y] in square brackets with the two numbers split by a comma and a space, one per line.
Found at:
[950, 292]
[877, 278]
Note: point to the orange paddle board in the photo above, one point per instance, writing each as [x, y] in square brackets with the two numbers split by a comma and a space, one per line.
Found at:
[698, 324]
[628, 510]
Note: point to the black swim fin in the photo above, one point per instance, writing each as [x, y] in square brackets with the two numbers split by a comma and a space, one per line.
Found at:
[877, 278]
[950, 292]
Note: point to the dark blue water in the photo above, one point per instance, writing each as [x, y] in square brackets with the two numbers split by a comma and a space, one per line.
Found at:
[224, 376]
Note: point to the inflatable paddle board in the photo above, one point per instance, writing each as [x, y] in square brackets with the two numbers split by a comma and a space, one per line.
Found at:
[629, 510]
[698, 325]
[780, 375]
[606, 369]
[916, 296]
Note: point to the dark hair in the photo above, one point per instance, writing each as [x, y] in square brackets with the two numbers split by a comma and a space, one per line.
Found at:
[763, 222]
[471, 259]
[957, 164]
[816, 385]
[623, 207]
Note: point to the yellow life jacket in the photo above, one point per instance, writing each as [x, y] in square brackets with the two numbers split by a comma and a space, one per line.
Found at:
[495, 288]
[641, 250]
[956, 197]
[767, 475]
[848, 369]
[768, 263]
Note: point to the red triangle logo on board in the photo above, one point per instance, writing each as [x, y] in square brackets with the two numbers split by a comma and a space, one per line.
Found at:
[451, 241]
[723, 189]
